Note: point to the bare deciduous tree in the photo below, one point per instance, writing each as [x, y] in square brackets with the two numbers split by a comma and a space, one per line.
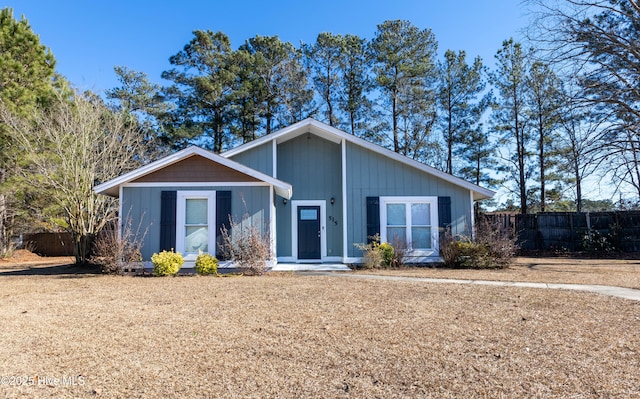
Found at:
[72, 145]
[596, 41]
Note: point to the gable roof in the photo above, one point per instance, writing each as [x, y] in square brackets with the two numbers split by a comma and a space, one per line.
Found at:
[336, 136]
[111, 187]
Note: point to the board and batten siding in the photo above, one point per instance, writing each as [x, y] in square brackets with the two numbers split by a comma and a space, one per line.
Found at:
[259, 158]
[143, 206]
[370, 174]
[313, 166]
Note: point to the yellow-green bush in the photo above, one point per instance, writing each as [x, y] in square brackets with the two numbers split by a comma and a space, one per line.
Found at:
[206, 264]
[388, 254]
[167, 263]
[379, 256]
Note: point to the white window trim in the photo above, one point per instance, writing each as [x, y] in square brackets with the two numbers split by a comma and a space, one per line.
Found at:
[433, 202]
[181, 200]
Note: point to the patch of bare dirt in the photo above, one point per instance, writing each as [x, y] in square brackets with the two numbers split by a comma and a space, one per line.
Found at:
[309, 336]
[614, 272]
[24, 259]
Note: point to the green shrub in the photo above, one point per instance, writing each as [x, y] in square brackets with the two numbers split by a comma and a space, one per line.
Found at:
[493, 248]
[377, 256]
[388, 254]
[167, 263]
[206, 264]
[596, 242]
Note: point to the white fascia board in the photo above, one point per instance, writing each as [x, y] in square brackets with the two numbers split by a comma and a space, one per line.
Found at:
[283, 189]
[336, 135]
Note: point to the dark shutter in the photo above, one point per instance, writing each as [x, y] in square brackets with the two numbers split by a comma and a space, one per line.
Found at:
[373, 217]
[444, 213]
[168, 221]
[223, 213]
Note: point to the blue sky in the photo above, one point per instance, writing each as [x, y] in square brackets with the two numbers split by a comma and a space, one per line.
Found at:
[89, 37]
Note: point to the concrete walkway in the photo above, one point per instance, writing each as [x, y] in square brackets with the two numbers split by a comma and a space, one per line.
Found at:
[619, 292]
[310, 267]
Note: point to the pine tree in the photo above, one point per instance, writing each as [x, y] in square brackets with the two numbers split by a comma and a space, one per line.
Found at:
[510, 115]
[26, 74]
[405, 72]
[459, 86]
[324, 59]
[202, 91]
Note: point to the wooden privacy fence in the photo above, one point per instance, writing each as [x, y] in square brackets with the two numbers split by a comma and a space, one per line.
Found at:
[574, 231]
[49, 244]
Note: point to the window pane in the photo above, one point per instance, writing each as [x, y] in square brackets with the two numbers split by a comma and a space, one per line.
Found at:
[396, 233]
[421, 214]
[196, 211]
[396, 215]
[421, 237]
[308, 214]
[197, 239]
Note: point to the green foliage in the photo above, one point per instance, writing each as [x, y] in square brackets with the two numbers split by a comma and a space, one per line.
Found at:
[206, 264]
[493, 247]
[26, 74]
[510, 116]
[388, 253]
[26, 66]
[405, 74]
[167, 263]
[70, 145]
[596, 243]
[378, 255]
[458, 89]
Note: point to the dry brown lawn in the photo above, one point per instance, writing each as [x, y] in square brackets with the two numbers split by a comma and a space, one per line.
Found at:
[292, 336]
[615, 272]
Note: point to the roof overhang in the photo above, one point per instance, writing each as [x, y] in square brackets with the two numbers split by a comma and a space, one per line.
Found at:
[334, 135]
[112, 187]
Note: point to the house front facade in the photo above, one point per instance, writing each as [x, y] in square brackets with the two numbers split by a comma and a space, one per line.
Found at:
[317, 191]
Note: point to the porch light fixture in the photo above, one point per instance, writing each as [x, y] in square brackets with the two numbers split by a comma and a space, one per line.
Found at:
[332, 200]
[284, 201]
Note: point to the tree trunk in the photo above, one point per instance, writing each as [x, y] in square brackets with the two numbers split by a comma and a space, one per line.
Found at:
[520, 151]
[4, 240]
[82, 247]
[543, 195]
[396, 144]
[449, 135]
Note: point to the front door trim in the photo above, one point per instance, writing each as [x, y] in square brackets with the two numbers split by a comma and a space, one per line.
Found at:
[294, 229]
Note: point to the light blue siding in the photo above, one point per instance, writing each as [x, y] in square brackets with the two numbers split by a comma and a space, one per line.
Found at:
[259, 158]
[312, 165]
[373, 175]
[142, 206]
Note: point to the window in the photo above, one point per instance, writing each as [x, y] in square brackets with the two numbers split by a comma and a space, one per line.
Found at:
[195, 222]
[413, 220]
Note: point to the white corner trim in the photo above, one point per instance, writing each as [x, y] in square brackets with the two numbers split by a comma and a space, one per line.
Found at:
[345, 231]
[272, 222]
[473, 217]
[274, 159]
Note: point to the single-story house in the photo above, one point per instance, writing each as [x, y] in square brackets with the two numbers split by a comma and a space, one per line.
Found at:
[317, 190]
